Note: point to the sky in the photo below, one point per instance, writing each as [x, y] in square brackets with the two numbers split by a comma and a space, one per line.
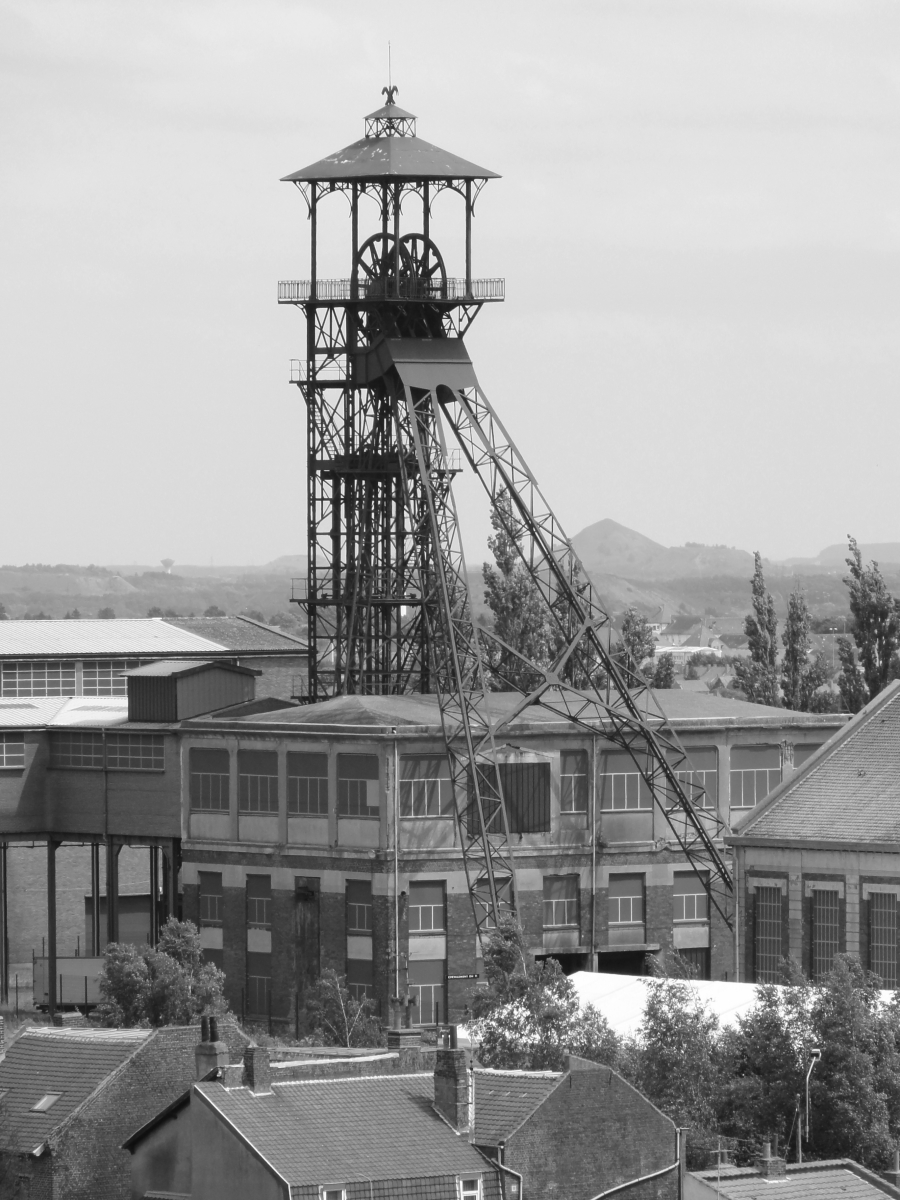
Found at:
[698, 222]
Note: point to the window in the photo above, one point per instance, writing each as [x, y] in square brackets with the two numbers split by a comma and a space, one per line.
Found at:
[209, 780]
[690, 899]
[259, 983]
[12, 750]
[526, 794]
[104, 678]
[46, 1102]
[37, 679]
[573, 781]
[626, 900]
[805, 751]
[332, 1193]
[622, 787]
[561, 900]
[696, 959]
[361, 978]
[883, 937]
[210, 898]
[358, 785]
[135, 752]
[259, 901]
[426, 908]
[700, 777]
[359, 907]
[307, 785]
[755, 770]
[826, 931]
[426, 988]
[470, 1189]
[426, 789]
[77, 750]
[482, 897]
[767, 941]
[258, 781]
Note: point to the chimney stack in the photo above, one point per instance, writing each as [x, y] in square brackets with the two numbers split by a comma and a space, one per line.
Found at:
[257, 1070]
[893, 1175]
[451, 1088]
[769, 1167]
[209, 1054]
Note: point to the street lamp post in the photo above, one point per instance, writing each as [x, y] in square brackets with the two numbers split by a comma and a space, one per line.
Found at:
[814, 1055]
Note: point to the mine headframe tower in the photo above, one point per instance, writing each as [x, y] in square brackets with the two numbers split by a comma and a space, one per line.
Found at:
[386, 597]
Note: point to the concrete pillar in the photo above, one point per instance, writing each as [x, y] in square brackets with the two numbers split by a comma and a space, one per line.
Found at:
[51, 926]
[112, 889]
[95, 898]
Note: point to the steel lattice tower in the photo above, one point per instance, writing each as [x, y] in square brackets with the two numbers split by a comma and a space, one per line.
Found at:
[386, 371]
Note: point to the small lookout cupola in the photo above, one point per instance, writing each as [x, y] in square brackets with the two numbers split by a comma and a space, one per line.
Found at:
[390, 120]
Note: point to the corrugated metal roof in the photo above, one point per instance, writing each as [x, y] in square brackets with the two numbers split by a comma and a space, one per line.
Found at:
[848, 791]
[241, 634]
[190, 666]
[59, 712]
[142, 636]
[393, 158]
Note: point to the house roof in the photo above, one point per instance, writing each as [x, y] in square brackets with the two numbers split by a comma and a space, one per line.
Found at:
[848, 791]
[71, 1062]
[828, 1179]
[504, 1099]
[170, 667]
[344, 1130]
[142, 637]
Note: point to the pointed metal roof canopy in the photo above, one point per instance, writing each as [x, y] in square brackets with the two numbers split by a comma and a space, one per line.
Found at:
[390, 150]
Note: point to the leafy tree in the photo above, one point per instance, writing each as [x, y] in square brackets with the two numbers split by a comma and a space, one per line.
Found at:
[214, 611]
[74, 615]
[664, 675]
[758, 678]
[4, 615]
[166, 985]
[520, 616]
[335, 1018]
[876, 631]
[800, 678]
[851, 680]
[155, 611]
[107, 614]
[637, 642]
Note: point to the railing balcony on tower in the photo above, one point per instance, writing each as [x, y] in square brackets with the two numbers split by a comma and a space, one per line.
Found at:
[297, 291]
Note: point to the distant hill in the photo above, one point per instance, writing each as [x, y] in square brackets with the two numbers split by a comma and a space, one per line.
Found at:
[608, 548]
[881, 552]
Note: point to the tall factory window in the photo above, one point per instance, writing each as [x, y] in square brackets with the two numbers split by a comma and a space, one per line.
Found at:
[211, 898]
[359, 907]
[12, 750]
[426, 908]
[358, 785]
[690, 900]
[104, 678]
[135, 752]
[360, 970]
[755, 770]
[77, 750]
[622, 787]
[826, 931]
[307, 784]
[573, 781]
[883, 932]
[767, 939]
[426, 989]
[258, 781]
[483, 898]
[560, 900]
[426, 789]
[259, 901]
[526, 794]
[700, 777]
[259, 983]
[209, 780]
[626, 900]
[37, 679]
[361, 978]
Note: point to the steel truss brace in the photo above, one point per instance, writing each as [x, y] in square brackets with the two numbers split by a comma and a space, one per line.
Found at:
[586, 685]
[456, 658]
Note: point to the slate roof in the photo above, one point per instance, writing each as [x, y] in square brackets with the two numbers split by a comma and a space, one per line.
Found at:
[836, 1179]
[504, 1099]
[73, 1062]
[392, 158]
[345, 1130]
[143, 637]
[848, 791]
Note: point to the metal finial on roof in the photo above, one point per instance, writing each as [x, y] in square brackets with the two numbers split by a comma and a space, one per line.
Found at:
[390, 120]
[390, 92]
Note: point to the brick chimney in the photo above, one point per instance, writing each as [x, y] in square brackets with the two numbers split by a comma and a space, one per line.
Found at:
[209, 1054]
[257, 1070]
[769, 1167]
[451, 1087]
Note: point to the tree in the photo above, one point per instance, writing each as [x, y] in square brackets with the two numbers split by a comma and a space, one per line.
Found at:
[4, 615]
[757, 678]
[155, 611]
[107, 614]
[520, 615]
[800, 678]
[74, 615]
[335, 1018]
[214, 611]
[637, 642]
[664, 675]
[876, 632]
[166, 985]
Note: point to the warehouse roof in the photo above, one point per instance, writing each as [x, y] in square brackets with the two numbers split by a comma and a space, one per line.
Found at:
[63, 712]
[848, 791]
[142, 637]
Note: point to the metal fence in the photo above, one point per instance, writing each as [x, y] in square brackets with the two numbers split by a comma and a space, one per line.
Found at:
[292, 291]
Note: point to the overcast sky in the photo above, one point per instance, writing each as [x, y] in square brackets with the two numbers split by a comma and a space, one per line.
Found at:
[698, 222]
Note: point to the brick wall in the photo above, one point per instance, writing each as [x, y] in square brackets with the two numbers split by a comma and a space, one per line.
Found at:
[593, 1132]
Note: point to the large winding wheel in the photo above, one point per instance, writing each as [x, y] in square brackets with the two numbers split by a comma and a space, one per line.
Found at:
[427, 277]
[376, 266]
